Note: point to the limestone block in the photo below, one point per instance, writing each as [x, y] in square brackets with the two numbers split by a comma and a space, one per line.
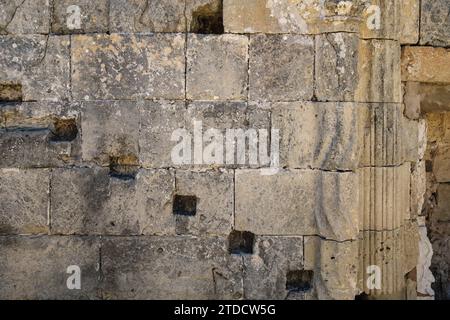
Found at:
[25, 17]
[24, 201]
[200, 268]
[409, 21]
[80, 16]
[336, 68]
[91, 201]
[214, 194]
[384, 197]
[395, 253]
[381, 19]
[435, 24]
[158, 120]
[434, 97]
[335, 266]
[147, 16]
[441, 164]
[412, 100]
[281, 67]
[319, 135]
[217, 67]
[37, 267]
[426, 64]
[313, 202]
[110, 130]
[379, 71]
[40, 64]
[266, 270]
[229, 119]
[128, 66]
[418, 188]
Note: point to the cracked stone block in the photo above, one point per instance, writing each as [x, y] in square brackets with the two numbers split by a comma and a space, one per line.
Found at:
[201, 268]
[336, 66]
[409, 21]
[110, 129]
[384, 197]
[41, 64]
[281, 67]
[24, 16]
[214, 191]
[266, 270]
[158, 122]
[379, 72]
[147, 16]
[313, 202]
[319, 135]
[217, 67]
[128, 67]
[80, 16]
[435, 23]
[335, 266]
[91, 201]
[300, 17]
[235, 126]
[395, 253]
[37, 267]
[426, 64]
[24, 201]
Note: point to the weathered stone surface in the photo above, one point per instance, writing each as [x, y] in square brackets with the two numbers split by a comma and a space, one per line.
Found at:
[36, 267]
[319, 135]
[41, 64]
[441, 164]
[424, 276]
[336, 67]
[128, 66]
[110, 130]
[384, 197]
[409, 21]
[147, 16]
[335, 266]
[435, 23]
[90, 201]
[201, 268]
[204, 16]
[314, 202]
[395, 253]
[411, 99]
[379, 71]
[380, 19]
[265, 271]
[24, 16]
[214, 193]
[158, 120]
[24, 201]
[93, 16]
[426, 64]
[217, 67]
[418, 188]
[281, 67]
[434, 97]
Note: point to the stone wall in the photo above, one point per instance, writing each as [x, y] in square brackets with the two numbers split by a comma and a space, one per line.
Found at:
[93, 92]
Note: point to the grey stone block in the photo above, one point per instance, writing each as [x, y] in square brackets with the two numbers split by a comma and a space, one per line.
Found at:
[24, 201]
[435, 23]
[128, 66]
[25, 16]
[281, 67]
[36, 267]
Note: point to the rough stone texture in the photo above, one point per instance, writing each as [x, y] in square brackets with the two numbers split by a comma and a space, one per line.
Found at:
[312, 200]
[426, 64]
[36, 267]
[281, 67]
[425, 277]
[24, 16]
[435, 23]
[200, 268]
[93, 15]
[319, 135]
[217, 67]
[409, 21]
[24, 201]
[41, 64]
[128, 66]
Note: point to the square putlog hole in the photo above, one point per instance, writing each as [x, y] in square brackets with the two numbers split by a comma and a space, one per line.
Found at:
[241, 242]
[10, 92]
[185, 205]
[208, 19]
[299, 280]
